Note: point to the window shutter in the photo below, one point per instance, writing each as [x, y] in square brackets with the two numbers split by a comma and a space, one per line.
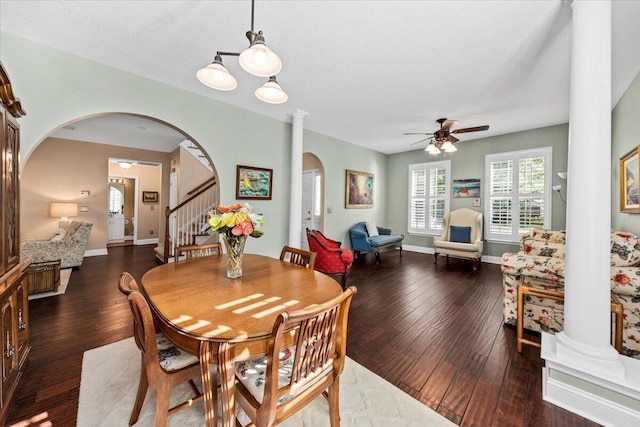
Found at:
[428, 196]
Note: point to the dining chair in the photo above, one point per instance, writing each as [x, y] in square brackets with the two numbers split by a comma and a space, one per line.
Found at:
[296, 375]
[163, 365]
[299, 257]
[198, 251]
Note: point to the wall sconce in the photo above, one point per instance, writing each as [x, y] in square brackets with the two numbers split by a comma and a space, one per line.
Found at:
[562, 175]
[557, 189]
[63, 211]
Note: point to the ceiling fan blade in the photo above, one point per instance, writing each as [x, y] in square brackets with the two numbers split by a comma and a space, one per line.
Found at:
[417, 133]
[452, 138]
[473, 129]
[422, 140]
[448, 124]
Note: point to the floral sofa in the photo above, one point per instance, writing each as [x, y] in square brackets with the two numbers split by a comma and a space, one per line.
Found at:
[68, 245]
[541, 259]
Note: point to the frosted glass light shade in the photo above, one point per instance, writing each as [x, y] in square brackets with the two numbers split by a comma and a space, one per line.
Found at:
[216, 76]
[125, 165]
[271, 92]
[448, 147]
[432, 149]
[260, 61]
[63, 210]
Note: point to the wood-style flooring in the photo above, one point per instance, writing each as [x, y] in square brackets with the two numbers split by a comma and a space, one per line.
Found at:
[436, 333]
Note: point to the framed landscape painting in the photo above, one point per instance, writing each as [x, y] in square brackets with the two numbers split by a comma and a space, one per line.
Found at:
[466, 187]
[358, 190]
[629, 171]
[253, 183]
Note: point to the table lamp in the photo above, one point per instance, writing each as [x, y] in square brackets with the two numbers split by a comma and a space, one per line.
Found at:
[63, 211]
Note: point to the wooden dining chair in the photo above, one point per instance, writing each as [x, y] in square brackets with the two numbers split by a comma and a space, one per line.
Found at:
[163, 365]
[295, 376]
[198, 251]
[299, 257]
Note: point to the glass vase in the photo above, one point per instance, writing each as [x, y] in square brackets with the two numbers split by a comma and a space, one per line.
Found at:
[235, 249]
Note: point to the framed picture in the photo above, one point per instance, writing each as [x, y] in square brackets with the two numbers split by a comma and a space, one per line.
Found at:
[149, 197]
[629, 175]
[253, 183]
[358, 190]
[466, 187]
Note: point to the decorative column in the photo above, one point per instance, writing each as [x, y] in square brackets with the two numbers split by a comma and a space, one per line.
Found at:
[295, 204]
[587, 270]
[583, 373]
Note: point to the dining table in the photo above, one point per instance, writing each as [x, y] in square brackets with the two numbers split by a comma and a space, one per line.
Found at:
[222, 320]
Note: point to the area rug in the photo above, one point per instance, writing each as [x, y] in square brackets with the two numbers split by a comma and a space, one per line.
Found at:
[110, 379]
[65, 275]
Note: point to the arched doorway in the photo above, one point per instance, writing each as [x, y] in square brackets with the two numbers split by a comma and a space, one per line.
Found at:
[312, 195]
[73, 163]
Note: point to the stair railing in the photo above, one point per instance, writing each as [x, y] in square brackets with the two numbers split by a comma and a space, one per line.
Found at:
[184, 222]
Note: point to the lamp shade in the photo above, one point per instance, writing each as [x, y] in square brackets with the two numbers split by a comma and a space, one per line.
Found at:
[271, 92]
[63, 210]
[260, 61]
[216, 76]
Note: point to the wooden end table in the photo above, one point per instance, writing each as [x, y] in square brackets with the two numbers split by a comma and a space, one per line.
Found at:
[557, 294]
[43, 277]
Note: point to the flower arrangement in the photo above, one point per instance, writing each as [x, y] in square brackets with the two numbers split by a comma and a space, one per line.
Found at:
[235, 221]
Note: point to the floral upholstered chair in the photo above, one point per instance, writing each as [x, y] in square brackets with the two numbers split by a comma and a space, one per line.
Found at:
[541, 259]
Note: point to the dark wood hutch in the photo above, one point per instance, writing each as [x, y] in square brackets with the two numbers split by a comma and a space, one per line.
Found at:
[14, 314]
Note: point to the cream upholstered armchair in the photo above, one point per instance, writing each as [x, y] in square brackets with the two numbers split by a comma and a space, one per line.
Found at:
[67, 245]
[462, 236]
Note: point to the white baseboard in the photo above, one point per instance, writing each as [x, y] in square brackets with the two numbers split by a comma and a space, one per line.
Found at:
[426, 250]
[96, 252]
[147, 241]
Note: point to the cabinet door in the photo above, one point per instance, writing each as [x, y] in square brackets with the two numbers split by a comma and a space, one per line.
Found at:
[8, 345]
[22, 319]
[10, 200]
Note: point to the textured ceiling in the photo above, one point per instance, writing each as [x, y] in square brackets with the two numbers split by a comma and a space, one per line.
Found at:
[365, 71]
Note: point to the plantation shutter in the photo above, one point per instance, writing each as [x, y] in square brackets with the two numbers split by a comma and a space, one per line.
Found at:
[428, 196]
[518, 193]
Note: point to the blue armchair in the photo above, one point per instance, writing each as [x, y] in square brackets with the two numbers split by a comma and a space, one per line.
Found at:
[369, 238]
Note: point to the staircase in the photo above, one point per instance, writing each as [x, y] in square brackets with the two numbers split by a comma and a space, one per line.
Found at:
[188, 221]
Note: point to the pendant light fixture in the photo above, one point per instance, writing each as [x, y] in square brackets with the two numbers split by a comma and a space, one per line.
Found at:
[257, 59]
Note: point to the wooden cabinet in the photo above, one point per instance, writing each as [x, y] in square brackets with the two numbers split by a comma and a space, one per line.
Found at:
[14, 315]
[115, 228]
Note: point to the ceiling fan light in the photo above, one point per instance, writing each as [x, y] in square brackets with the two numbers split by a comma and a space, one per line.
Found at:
[271, 92]
[451, 149]
[446, 146]
[259, 60]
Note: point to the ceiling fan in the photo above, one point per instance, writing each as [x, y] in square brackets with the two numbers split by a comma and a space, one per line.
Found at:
[442, 139]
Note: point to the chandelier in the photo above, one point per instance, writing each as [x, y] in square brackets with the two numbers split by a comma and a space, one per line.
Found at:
[257, 59]
[438, 145]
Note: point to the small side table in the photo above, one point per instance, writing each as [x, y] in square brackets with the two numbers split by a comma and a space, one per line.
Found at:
[43, 277]
[558, 295]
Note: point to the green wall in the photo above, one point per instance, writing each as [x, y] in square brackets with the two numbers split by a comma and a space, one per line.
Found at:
[468, 162]
[625, 135]
[57, 88]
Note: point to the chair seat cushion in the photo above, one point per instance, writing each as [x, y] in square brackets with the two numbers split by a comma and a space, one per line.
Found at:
[383, 240]
[251, 374]
[467, 247]
[171, 357]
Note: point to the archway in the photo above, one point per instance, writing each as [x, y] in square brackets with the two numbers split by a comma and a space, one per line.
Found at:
[312, 195]
[73, 162]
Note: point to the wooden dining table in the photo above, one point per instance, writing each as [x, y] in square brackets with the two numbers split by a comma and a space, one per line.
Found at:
[223, 320]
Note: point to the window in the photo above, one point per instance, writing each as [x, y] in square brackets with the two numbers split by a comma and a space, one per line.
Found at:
[518, 192]
[428, 196]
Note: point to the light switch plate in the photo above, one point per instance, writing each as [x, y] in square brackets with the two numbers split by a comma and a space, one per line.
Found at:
[85, 193]
[84, 208]
[476, 203]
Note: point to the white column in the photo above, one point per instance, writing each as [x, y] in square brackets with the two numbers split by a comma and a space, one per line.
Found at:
[587, 270]
[295, 204]
[583, 373]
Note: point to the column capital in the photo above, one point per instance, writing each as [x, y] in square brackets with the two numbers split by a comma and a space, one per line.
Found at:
[298, 114]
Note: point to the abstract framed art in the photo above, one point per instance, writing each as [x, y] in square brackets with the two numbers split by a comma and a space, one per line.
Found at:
[253, 183]
[359, 190]
[629, 171]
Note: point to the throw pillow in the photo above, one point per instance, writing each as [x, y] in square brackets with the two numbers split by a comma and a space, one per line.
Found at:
[60, 234]
[372, 230]
[459, 234]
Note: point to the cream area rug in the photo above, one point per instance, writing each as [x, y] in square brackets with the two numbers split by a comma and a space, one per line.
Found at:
[65, 275]
[110, 379]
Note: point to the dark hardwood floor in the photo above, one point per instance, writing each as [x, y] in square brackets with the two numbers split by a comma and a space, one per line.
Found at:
[436, 333]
